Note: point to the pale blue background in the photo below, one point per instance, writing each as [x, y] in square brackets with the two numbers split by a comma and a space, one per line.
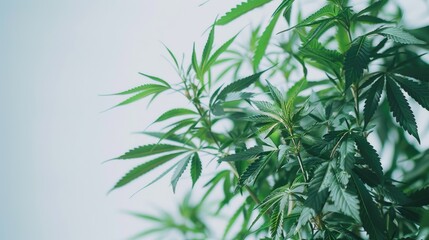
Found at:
[56, 57]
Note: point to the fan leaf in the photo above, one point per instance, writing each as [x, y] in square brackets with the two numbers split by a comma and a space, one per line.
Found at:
[144, 168]
[400, 108]
[372, 99]
[196, 168]
[181, 167]
[151, 149]
[356, 60]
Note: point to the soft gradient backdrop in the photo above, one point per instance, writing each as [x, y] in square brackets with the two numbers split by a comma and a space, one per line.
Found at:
[56, 57]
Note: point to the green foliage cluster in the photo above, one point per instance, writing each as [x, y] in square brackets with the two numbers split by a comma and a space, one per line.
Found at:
[300, 154]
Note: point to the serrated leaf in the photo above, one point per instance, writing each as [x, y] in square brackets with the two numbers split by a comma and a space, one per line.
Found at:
[276, 95]
[276, 223]
[369, 156]
[144, 168]
[318, 188]
[372, 220]
[175, 113]
[326, 11]
[136, 89]
[418, 90]
[181, 167]
[151, 149]
[196, 168]
[372, 99]
[318, 53]
[208, 47]
[194, 62]
[251, 172]
[292, 94]
[400, 108]
[151, 91]
[239, 85]
[263, 41]
[317, 31]
[247, 154]
[356, 60]
[400, 36]
[343, 200]
[157, 79]
[240, 10]
[178, 138]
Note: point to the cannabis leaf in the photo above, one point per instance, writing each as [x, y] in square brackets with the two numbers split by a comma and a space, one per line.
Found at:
[400, 36]
[400, 108]
[356, 60]
[240, 9]
[145, 168]
[264, 40]
[196, 168]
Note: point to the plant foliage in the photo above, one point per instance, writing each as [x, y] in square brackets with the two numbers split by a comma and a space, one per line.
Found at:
[304, 157]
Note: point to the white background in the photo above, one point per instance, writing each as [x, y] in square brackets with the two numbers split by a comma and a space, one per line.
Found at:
[56, 57]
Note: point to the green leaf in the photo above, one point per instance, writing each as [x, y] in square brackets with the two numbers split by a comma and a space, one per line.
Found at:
[343, 200]
[369, 156]
[196, 168]
[151, 149]
[356, 60]
[240, 10]
[276, 223]
[419, 198]
[144, 168]
[421, 33]
[292, 94]
[371, 19]
[263, 41]
[319, 54]
[181, 167]
[178, 138]
[252, 172]
[372, 99]
[151, 91]
[208, 47]
[400, 108]
[416, 89]
[239, 85]
[194, 62]
[326, 11]
[140, 88]
[318, 188]
[172, 56]
[175, 113]
[372, 220]
[287, 5]
[400, 36]
[218, 52]
[156, 79]
[373, 7]
[276, 95]
[247, 154]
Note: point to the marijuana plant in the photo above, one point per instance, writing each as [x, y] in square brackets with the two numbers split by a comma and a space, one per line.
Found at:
[306, 107]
